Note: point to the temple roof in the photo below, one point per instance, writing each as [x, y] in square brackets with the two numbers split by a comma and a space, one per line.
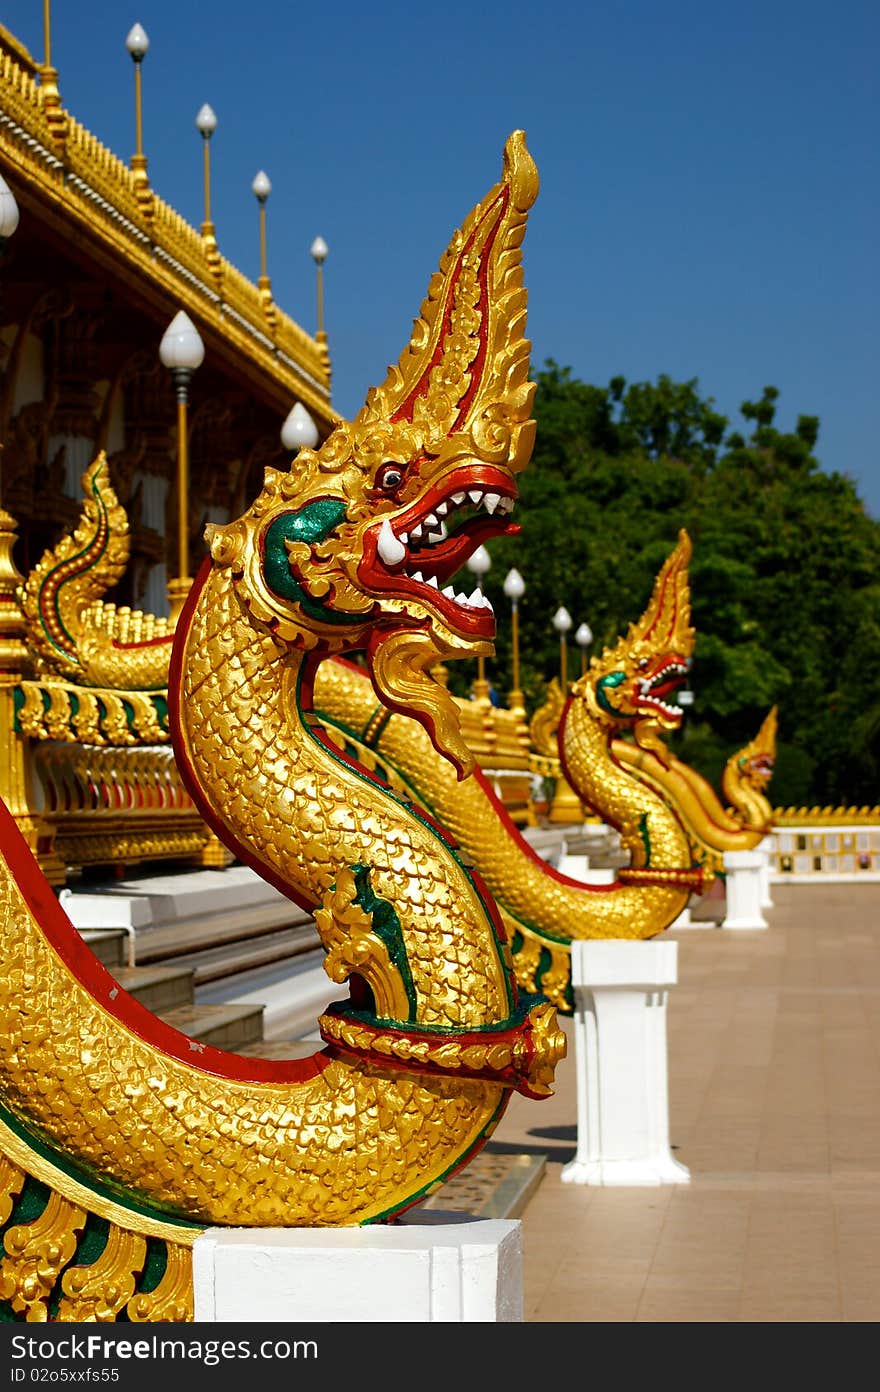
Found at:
[106, 214]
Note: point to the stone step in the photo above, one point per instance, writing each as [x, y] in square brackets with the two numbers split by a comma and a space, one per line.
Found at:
[221, 960]
[292, 994]
[160, 988]
[110, 946]
[227, 1026]
[176, 915]
[281, 1048]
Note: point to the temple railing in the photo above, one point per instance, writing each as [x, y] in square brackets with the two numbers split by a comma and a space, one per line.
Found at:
[825, 842]
[91, 779]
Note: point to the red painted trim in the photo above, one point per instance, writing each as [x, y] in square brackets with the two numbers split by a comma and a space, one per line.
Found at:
[93, 976]
[144, 642]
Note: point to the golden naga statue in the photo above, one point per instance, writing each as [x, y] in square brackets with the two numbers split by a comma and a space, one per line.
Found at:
[747, 775]
[113, 1125]
[544, 910]
[71, 631]
[711, 827]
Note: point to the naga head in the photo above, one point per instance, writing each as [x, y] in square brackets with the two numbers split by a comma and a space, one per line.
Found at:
[754, 763]
[358, 544]
[627, 686]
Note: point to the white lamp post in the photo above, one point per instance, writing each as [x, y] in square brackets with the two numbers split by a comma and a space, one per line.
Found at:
[261, 188]
[514, 588]
[299, 430]
[478, 564]
[181, 351]
[319, 250]
[206, 124]
[137, 43]
[562, 623]
[583, 637]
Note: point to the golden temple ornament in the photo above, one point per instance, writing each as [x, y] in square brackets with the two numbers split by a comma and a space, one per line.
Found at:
[110, 1116]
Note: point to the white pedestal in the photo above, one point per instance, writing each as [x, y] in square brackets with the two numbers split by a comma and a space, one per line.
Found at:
[441, 1267]
[766, 895]
[742, 872]
[620, 991]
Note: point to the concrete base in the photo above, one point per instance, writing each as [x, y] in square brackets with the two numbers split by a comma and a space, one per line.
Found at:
[742, 873]
[621, 991]
[439, 1267]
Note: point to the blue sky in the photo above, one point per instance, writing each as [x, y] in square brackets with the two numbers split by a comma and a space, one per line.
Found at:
[709, 189]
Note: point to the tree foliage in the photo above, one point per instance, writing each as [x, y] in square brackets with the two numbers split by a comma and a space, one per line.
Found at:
[785, 574]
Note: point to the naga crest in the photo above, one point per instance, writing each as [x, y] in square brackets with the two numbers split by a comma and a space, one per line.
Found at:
[71, 630]
[627, 684]
[754, 763]
[357, 544]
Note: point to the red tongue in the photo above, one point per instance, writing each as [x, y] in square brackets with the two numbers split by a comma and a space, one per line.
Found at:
[447, 557]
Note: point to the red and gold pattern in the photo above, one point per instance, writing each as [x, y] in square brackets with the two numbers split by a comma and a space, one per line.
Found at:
[117, 1115]
[545, 911]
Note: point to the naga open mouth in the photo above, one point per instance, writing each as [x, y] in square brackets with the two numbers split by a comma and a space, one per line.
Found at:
[761, 766]
[424, 546]
[650, 690]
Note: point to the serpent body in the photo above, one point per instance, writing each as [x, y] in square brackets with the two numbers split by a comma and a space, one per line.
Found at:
[122, 1116]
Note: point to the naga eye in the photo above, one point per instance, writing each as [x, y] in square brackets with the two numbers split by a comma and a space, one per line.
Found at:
[390, 477]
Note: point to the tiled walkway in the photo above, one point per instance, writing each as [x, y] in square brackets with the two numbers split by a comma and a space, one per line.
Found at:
[774, 1081]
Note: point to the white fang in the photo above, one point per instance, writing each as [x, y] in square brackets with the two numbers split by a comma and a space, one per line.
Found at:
[391, 550]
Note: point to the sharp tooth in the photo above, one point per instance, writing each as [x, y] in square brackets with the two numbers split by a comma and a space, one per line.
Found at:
[416, 533]
[491, 501]
[458, 498]
[487, 604]
[449, 592]
[434, 537]
[391, 549]
[430, 520]
[404, 537]
[441, 509]
[461, 599]
[475, 494]
[476, 599]
[505, 505]
[418, 576]
[432, 580]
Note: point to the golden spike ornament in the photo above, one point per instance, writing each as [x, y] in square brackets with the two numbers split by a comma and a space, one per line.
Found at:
[118, 1114]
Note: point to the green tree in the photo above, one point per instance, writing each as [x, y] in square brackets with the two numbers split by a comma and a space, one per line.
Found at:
[785, 576]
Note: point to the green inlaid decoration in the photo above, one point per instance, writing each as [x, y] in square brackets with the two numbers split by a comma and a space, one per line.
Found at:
[386, 925]
[310, 525]
[614, 679]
